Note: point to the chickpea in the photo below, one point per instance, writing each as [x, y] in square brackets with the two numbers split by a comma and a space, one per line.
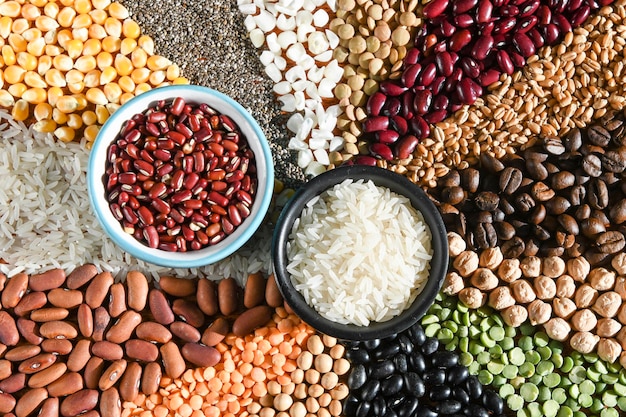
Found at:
[539, 312]
[563, 307]
[607, 304]
[565, 286]
[456, 244]
[621, 337]
[557, 329]
[484, 279]
[620, 287]
[553, 266]
[608, 327]
[585, 296]
[523, 291]
[501, 298]
[531, 266]
[453, 283]
[466, 263]
[584, 342]
[509, 270]
[515, 315]
[621, 314]
[491, 258]
[472, 297]
[601, 279]
[609, 350]
[578, 268]
[545, 288]
[584, 320]
[619, 263]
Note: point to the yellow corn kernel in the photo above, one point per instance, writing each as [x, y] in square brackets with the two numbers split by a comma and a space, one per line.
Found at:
[27, 61]
[125, 97]
[51, 37]
[76, 88]
[46, 23]
[6, 99]
[108, 75]
[180, 80]
[127, 46]
[64, 36]
[10, 8]
[172, 72]
[127, 84]
[82, 101]
[20, 110]
[92, 78]
[131, 29]
[30, 11]
[42, 111]
[39, 3]
[82, 6]
[35, 95]
[81, 33]
[139, 58]
[36, 47]
[17, 89]
[82, 21]
[158, 62]
[66, 2]
[96, 96]
[19, 26]
[92, 47]
[112, 107]
[1, 78]
[74, 48]
[111, 44]
[59, 116]
[8, 55]
[142, 88]
[98, 16]
[104, 60]
[53, 50]
[32, 34]
[5, 26]
[32, 79]
[85, 64]
[44, 64]
[17, 42]
[96, 31]
[65, 134]
[112, 92]
[74, 76]
[67, 104]
[113, 27]
[55, 78]
[157, 77]
[74, 121]
[45, 126]
[91, 132]
[66, 17]
[89, 117]
[102, 114]
[140, 75]
[146, 43]
[54, 94]
[100, 4]
[123, 65]
[14, 74]
[118, 11]
[63, 62]
[51, 10]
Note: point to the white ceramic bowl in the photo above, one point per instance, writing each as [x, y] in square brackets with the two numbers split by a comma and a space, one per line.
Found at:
[194, 95]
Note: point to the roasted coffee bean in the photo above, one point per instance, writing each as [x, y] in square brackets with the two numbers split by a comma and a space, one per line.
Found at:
[591, 227]
[487, 200]
[572, 140]
[562, 180]
[536, 169]
[524, 202]
[568, 223]
[598, 135]
[610, 242]
[510, 180]
[541, 192]
[553, 145]
[538, 215]
[513, 248]
[598, 194]
[490, 163]
[470, 179]
[452, 195]
[486, 236]
[592, 165]
[613, 161]
[504, 230]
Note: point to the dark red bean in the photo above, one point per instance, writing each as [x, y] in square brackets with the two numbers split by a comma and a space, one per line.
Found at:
[579, 17]
[412, 56]
[463, 6]
[470, 67]
[444, 63]
[387, 136]
[365, 160]
[434, 8]
[409, 76]
[504, 62]
[489, 77]
[435, 116]
[375, 124]
[459, 40]
[482, 47]
[484, 11]
[392, 88]
[381, 150]
[464, 21]
[419, 127]
[505, 25]
[427, 75]
[422, 101]
[399, 124]
[536, 37]
[526, 24]
[466, 91]
[523, 44]
[562, 23]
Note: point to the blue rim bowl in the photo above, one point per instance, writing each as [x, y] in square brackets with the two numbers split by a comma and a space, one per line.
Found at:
[383, 178]
[192, 94]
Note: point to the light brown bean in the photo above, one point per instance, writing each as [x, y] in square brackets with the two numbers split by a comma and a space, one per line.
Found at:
[79, 402]
[254, 292]
[65, 298]
[58, 330]
[273, 297]
[31, 301]
[49, 408]
[8, 330]
[112, 374]
[173, 361]
[14, 290]
[6, 369]
[251, 319]
[141, 350]
[201, 355]
[110, 404]
[37, 363]
[189, 312]
[125, 326]
[13, 384]
[28, 329]
[47, 376]
[185, 331]
[129, 385]
[68, 384]
[21, 353]
[57, 346]
[107, 350]
[137, 290]
[98, 288]
[7, 403]
[81, 276]
[93, 372]
[216, 332]
[153, 332]
[151, 378]
[48, 280]
[160, 307]
[30, 401]
[84, 316]
[228, 296]
[178, 287]
[206, 297]
[79, 356]
[101, 320]
[117, 300]
[49, 314]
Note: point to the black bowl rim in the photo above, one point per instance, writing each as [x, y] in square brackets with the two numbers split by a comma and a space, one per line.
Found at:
[381, 177]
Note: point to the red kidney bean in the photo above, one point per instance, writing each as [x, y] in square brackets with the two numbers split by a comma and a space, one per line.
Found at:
[422, 101]
[375, 124]
[387, 136]
[463, 6]
[434, 8]
[523, 44]
[482, 47]
[444, 63]
[392, 88]
[487, 78]
[427, 75]
[504, 62]
[579, 17]
[399, 124]
[382, 151]
[459, 40]
[419, 127]
[409, 76]
[483, 13]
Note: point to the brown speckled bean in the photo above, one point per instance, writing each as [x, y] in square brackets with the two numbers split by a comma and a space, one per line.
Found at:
[216, 332]
[49, 408]
[37, 363]
[14, 290]
[129, 385]
[228, 296]
[188, 312]
[49, 314]
[47, 376]
[117, 299]
[173, 361]
[31, 301]
[254, 292]
[93, 372]
[22, 353]
[65, 298]
[201, 355]
[151, 378]
[178, 287]
[79, 403]
[101, 320]
[7, 403]
[185, 331]
[153, 332]
[84, 316]
[57, 346]
[112, 374]
[28, 329]
[98, 288]
[13, 384]
[8, 330]
[80, 355]
[81, 276]
[48, 280]
[141, 350]
[107, 350]
[160, 307]
[137, 290]
[58, 330]
[110, 404]
[206, 297]
[30, 401]
[68, 384]
[124, 327]
[273, 297]
[251, 319]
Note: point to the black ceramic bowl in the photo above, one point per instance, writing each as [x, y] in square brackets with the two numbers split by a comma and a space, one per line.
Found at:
[383, 178]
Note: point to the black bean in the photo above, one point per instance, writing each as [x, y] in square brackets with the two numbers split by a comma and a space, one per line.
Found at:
[461, 395]
[417, 335]
[408, 407]
[444, 359]
[435, 376]
[392, 385]
[475, 410]
[448, 407]
[395, 400]
[363, 409]
[430, 346]
[457, 374]
[474, 387]
[386, 351]
[358, 377]
[426, 412]
[382, 369]
[379, 407]
[401, 363]
[417, 362]
[439, 393]
[492, 401]
[357, 355]
[405, 343]
[413, 384]
[350, 405]
[370, 390]
[390, 413]
[371, 344]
